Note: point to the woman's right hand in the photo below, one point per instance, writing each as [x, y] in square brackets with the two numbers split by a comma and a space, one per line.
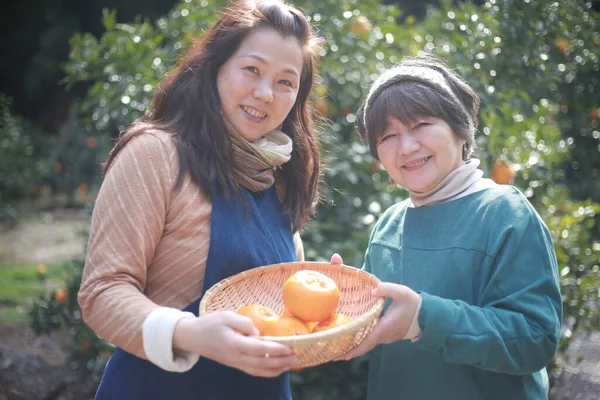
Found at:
[226, 337]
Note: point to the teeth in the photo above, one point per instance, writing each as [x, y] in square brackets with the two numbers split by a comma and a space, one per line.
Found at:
[423, 161]
[254, 113]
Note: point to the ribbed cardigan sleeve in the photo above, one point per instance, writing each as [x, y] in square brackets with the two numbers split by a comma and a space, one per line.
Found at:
[127, 224]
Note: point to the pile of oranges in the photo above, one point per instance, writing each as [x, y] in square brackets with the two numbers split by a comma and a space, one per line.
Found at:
[310, 299]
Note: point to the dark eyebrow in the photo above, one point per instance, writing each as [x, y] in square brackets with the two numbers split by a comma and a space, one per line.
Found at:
[264, 61]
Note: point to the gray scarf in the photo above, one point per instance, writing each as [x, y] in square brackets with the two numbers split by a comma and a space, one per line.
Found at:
[254, 162]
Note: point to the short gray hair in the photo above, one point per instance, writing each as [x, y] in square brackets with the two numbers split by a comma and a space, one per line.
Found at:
[419, 86]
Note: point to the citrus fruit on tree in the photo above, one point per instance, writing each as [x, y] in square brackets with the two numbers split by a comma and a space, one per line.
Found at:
[286, 326]
[502, 173]
[310, 295]
[61, 296]
[260, 315]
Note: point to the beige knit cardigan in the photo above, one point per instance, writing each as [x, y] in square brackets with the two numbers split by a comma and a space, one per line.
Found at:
[148, 243]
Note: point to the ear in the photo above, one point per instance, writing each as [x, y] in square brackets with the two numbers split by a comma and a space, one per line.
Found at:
[465, 151]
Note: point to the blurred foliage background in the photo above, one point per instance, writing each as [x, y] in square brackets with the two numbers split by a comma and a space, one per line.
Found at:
[534, 62]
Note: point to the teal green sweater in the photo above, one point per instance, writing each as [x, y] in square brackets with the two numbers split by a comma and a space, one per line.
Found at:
[491, 311]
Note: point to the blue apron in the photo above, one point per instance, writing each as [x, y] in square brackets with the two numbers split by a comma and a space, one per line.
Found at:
[237, 242]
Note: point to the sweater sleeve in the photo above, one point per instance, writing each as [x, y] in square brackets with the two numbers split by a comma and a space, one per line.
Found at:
[127, 224]
[299, 247]
[516, 326]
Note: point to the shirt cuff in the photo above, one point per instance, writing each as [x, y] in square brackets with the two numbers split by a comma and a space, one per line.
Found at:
[414, 331]
[157, 333]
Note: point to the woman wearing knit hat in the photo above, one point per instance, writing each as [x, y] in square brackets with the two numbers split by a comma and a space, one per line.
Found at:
[468, 266]
[220, 177]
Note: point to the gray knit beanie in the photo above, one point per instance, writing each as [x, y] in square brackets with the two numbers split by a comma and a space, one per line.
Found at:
[428, 72]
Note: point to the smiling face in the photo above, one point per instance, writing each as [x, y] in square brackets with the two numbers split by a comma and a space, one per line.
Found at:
[258, 84]
[420, 154]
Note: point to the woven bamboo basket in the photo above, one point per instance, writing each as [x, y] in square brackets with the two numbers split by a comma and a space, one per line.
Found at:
[263, 285]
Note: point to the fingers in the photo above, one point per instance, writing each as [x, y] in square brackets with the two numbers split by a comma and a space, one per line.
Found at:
[258, 348]
[226, 340]
[391, 290]
[241, 324]
[366, 346]
[369, 343]
[336, 259]
[264, 358]
[267, 366]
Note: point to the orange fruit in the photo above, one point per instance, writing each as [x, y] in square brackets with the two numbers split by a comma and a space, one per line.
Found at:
[82, 189]
[287, 313]
[260, 315]
[502, 173]
[286, 326]
[331, 322]
[84, 344]
[41, 269]
[311, 325]
[322, 108]
[61, 296]
[360, 26]
[310, 295]
[562, 45]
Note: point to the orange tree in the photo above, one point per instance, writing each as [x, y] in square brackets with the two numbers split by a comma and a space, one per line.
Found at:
[20, 164]
[534, 63]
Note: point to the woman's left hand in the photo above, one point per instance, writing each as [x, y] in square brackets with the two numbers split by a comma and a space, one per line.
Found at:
[336, 259]
[396, 320]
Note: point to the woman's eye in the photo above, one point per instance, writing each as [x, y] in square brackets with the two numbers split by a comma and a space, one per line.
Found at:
[286, 83]
[422, 124]
[252, 69]
[384, 138]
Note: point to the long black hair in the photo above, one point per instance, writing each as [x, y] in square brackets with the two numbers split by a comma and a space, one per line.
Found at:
[187, 105]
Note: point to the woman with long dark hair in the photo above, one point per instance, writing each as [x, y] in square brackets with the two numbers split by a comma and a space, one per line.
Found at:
[219, 177]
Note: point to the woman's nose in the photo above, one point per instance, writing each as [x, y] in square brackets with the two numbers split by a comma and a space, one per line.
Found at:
[408, 144]
[263, 92]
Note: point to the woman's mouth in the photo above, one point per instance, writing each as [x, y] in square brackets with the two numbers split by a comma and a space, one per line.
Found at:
[254, 114]
[416, 164]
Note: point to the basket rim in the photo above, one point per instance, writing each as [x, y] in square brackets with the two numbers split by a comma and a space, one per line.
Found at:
[304, 340]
